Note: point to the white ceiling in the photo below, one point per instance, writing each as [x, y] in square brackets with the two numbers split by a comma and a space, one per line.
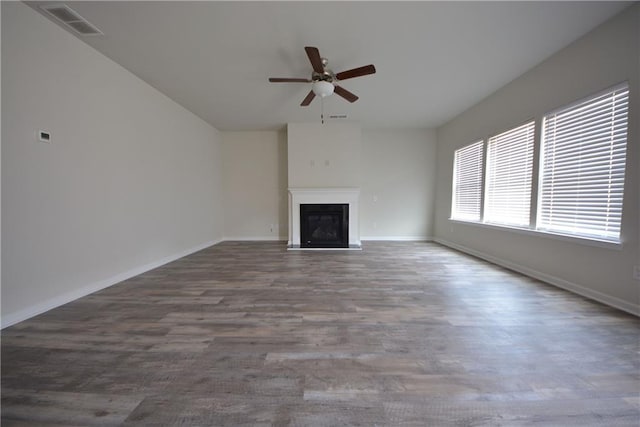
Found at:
[434, 59]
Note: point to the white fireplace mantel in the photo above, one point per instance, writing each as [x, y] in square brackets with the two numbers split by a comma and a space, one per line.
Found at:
[317, 195]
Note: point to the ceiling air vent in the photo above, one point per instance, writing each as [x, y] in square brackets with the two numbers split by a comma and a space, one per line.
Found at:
[69, 17]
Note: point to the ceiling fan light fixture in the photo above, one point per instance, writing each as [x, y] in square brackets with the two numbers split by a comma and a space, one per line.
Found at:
[322, 88]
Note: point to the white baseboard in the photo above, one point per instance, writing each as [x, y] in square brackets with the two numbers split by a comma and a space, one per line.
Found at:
[255, 239]
[370, 238]
[65, 298]
[398, 238]
[547, 278]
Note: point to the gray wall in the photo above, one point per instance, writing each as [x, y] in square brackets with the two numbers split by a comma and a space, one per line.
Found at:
[255, 185]
[604, 57]
[129, 181]
[398, 184]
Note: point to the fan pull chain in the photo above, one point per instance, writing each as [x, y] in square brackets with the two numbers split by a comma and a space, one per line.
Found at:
[322, 109]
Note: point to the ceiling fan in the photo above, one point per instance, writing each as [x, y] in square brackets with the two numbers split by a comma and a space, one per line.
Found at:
[324, 80]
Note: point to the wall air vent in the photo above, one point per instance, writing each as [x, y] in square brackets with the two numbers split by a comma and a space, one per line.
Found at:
[70, 18]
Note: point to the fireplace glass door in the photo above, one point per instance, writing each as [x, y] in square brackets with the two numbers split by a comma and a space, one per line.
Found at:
[324, 225]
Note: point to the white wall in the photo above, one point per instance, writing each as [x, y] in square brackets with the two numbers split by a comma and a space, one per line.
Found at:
[130, 180]
[324, 155]
[255, 185]
[395, 165]
[606, 56]
[398, 184]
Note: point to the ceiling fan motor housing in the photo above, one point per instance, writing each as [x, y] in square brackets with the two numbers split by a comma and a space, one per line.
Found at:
[327, 75]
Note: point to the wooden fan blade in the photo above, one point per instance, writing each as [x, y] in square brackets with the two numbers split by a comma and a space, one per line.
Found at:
[356, 72]
[308, 99]
[314, 57]
[288, 80]
[345, 93]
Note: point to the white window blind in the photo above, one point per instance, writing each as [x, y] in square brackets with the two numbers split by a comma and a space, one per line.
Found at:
[509, 170]
[467, 182]
[583, 166]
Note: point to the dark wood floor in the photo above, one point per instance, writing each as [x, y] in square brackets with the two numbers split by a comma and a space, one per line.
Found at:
[409, 334]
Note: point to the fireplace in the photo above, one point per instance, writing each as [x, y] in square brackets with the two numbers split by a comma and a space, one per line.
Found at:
[341, 196]
[324, 225]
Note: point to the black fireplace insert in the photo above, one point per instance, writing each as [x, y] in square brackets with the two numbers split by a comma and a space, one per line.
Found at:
[324, 225]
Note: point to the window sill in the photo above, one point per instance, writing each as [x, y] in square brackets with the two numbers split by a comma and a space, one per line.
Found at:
[545, 234]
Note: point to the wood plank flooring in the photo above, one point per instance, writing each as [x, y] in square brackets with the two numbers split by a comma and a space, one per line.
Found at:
[399, 334]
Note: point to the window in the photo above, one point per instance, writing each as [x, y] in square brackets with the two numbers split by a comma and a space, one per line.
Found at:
[580, 175]
[582, 167]
[467, 182]
[509, 170]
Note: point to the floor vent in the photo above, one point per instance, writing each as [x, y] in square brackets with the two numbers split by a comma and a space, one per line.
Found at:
[69, 17]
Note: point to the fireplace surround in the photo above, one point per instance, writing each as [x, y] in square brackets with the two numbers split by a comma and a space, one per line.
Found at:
[324, 196]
